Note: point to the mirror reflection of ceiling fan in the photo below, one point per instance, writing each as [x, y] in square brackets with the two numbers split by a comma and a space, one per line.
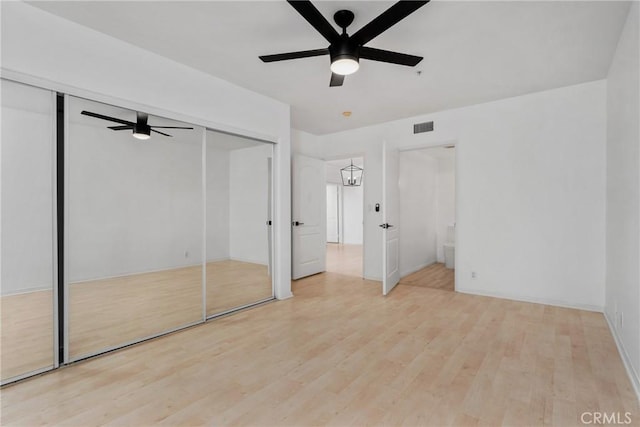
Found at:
[346, 50]
[141, 128]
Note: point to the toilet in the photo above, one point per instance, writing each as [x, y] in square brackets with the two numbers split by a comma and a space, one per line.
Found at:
[449, 248]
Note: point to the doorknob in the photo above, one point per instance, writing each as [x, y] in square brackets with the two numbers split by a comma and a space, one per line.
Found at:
[385, 226]
[297, 223]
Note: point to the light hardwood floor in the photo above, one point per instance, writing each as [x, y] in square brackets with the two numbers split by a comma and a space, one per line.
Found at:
[435, 276]
[344, 259]
[339, 353]
[110, 312]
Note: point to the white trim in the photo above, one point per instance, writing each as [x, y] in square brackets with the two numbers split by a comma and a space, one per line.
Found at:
[634, 377]
[54, 228]
[132, 342]
[26, 375]
[203, 165]
[65, 209]
[373, 278]
[40, 82]
[535, 300]
[31, 289]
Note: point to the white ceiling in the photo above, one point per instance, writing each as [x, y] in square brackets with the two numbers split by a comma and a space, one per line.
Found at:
[474, 51]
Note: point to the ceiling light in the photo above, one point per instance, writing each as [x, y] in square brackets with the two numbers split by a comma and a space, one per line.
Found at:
[351, 175]
[141, 131]
[345, 66]
[346, 113]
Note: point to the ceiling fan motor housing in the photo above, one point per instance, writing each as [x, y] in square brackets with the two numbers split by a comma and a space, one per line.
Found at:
[344, 49]
[141, 128]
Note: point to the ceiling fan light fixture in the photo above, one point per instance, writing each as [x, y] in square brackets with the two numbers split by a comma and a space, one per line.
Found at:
[141, 131]
[345, 65]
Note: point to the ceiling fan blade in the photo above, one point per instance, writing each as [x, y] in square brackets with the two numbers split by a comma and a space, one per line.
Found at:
[388, 56]
[170, 127]
[111, 119]
[294, 55]
[315, 18]
[161, 133]
[336, 80]
[126, 127]
[386, 20]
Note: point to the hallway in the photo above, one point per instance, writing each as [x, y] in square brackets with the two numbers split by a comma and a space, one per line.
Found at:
[344, 259]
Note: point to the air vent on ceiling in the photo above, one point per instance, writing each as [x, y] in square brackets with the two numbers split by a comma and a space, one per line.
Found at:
[423, 127]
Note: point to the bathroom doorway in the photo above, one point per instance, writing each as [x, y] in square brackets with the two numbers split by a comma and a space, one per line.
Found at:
[345, 208]
[427, 214]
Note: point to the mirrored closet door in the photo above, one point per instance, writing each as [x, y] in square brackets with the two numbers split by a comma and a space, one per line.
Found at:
[27, 290]
[134, 240]
[239, 211]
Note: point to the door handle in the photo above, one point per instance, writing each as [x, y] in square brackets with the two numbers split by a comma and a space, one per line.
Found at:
[385, 226]
[297, 223]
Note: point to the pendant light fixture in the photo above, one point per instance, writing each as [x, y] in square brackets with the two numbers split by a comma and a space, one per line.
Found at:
[351, 175]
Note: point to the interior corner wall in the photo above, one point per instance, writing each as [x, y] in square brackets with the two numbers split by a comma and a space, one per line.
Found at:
[623, 195]
[417, 183]
[49, 51]
[530, 192]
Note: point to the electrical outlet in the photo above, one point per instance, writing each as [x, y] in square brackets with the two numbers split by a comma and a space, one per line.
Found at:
[473, 275]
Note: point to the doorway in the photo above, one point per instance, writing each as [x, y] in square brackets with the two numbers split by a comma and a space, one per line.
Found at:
[345, 207]
[426, 182]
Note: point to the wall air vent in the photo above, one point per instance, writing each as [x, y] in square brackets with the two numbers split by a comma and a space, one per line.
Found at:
[423, 127]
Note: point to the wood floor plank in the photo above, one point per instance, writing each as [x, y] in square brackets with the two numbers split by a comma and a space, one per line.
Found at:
[339, 353]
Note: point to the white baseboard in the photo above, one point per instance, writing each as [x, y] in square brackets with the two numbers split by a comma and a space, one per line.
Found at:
[417, 268]
[631, 372]
[283, 297]
[26, 290]
[373, 278]
[535, 300]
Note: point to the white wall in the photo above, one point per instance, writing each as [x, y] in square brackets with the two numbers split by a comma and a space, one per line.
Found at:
[352, 199]
[133, 206]
[623, 195]
[50, 51]
[417, 183]
[446, 201]
[218, 201]
[249, 204]
[363, 142]
[530, 190]
[27, 189]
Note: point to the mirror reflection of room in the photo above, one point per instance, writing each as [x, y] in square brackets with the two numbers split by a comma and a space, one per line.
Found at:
[27, 273]
[134, 234]
[239, 212]
[158, 239]
[345, 200]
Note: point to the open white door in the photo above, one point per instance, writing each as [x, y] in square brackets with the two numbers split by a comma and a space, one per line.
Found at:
[390, 219]
[308, 215]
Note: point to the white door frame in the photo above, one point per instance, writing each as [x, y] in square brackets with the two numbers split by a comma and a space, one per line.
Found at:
[437, 144]
[348, 156]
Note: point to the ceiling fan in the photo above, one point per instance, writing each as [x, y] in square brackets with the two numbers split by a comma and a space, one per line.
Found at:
[346, 50]
[141, 129]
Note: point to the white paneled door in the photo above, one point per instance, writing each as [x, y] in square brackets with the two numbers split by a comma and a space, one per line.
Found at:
[308, 216]
[390, 222]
